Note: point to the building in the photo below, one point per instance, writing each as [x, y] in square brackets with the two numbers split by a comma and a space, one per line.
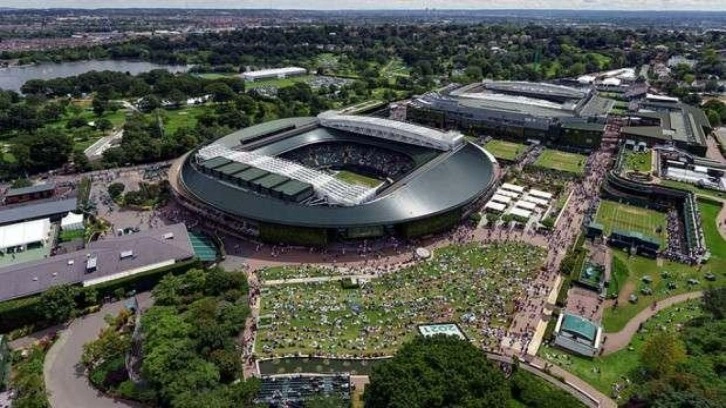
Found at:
[577, 334]
[279, 181]
[102, 261]
[553, 114]
[665, 120]
[286, 72]
[52, 209]
[24, 194]
[23, 235]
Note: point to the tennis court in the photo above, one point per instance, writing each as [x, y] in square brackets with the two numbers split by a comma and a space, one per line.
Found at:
[504, 150]
[203, 247]
[617, 216]
[562, 161]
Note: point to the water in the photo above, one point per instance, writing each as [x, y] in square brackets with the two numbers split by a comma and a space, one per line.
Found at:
[14, 77]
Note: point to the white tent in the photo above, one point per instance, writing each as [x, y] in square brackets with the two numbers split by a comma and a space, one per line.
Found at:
[501, 199]
[72, 222]
[497, 207]
[526, 205]
[24, 233]
[540, 194]
[507, 193]
[512, 187]
[519, 212]
[539, 201]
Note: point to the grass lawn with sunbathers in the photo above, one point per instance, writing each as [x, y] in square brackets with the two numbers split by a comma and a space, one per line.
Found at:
[472, 285]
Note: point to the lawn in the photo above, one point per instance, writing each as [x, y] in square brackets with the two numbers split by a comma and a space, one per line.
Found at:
[660, 272]
[66, 236]
[602, 372]
[562, 161]
[616, 216]
[470, 284]
[505, 150]
[637, 161]
[359, 179]
[714, 242]
[175, 119]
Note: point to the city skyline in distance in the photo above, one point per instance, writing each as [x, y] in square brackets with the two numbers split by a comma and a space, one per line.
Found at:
[590, 5]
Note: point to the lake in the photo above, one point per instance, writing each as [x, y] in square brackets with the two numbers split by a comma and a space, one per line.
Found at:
[14, 77]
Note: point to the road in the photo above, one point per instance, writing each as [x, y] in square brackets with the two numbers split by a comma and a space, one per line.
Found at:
[65, 378]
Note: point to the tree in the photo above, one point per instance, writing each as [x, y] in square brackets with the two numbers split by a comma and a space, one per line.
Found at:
[662, 353]
[116, 189]
[714, 302]
[99, 105]
[58, 303]
[439, 371]
[22, 182]
[149, 103]
[220, 91]
[104, 125]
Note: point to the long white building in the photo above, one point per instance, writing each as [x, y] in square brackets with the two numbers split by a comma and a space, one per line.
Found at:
[274, 73]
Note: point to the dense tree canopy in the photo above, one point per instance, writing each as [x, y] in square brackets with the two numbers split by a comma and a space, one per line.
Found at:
[440, 371]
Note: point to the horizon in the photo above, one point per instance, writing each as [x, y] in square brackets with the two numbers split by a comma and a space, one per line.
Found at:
[394, 5]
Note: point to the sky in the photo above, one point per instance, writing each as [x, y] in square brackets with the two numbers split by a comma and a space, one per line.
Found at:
[382, 4]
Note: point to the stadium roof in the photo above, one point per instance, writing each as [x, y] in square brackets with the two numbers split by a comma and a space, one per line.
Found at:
[37, 210]
[148, 248]
[427, 191]
[266, 73]
[38, 188]
[392, 130]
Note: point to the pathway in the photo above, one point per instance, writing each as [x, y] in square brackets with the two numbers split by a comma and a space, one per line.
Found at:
[619, 340]
[316, 279]
[65, 378]
[721, 221]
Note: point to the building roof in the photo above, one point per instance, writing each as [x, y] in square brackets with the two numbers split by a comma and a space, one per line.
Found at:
[38, 188]
[23, 233]
[148, 248]
[579, 326]
[262, 73]
[520, 212]
[425, 192]
[37, 210]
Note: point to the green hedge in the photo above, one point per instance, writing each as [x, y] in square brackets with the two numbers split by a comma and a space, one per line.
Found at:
[276, 234]
[18, 313]
[431, 225]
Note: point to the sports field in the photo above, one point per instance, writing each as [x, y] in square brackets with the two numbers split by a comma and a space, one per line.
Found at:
[617, 216]
[504, 150]
[562, 161]
[355, 178]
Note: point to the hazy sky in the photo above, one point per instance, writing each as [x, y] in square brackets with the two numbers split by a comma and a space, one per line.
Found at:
[381, 4]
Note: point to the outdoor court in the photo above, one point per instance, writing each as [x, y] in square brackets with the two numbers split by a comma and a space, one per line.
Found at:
[617, 216]
[562, 161]
[504, 150]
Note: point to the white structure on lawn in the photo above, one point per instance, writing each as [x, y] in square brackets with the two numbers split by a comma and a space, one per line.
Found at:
[285, 72]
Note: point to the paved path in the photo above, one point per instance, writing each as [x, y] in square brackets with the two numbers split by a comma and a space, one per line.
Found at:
[65, 378]
[721, 221]
[619, 340]
[315, 279]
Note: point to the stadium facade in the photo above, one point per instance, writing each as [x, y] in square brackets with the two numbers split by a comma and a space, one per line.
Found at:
[282, 181]
[552, 114]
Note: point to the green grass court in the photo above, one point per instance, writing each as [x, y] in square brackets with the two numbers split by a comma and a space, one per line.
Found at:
[355, 178]
[504, 150]
[561, 161]
[616, 216]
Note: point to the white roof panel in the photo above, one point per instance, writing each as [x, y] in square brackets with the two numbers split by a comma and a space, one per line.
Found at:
[540, 194]
[526, 205]
[495, 206]
[512, 187]
[23, 233]
[501, 199]
[507, 193]
[520, 212]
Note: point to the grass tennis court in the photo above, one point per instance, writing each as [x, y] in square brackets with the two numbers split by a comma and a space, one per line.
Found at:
[616, 216]
[355, 178]
[504, 150]
[562, 161]
[203, 247]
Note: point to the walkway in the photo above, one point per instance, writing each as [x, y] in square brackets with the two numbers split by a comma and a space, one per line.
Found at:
[316, 279]
[65, 378]
[619, 340]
